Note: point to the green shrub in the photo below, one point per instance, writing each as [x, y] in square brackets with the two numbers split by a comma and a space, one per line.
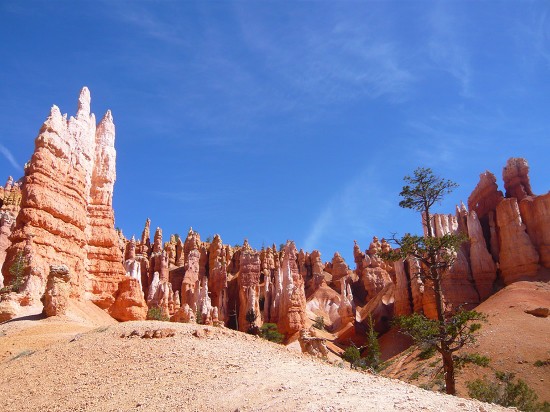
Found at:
[155, 313]
[372, 359]
[415, 375]
[540, 363]
[17, 272]
[475, 358]
[319, 323]
[270, 332]
[426, 353]
[352, 354]
[506, 392]
[251, 317]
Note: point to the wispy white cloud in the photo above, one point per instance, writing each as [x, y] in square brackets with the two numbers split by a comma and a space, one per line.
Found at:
[331, 61]
[446, 50]
[320, 227]
[355, 211]
[10, 158]
[149, 23]
[533, 37]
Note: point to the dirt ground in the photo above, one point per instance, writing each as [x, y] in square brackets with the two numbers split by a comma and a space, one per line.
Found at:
[85, 365]
[512, 339]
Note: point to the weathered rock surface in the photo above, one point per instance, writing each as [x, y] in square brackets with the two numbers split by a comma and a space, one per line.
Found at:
[518, 257]
[313, 345]
[104, 270]
[339, 269]
[66, 198]
[485, 196]
[249, 288]
[535, 212]
[516, 178]
[58, 290]
[403, 295]
[293, 298]
[129, 303]
[6, 226]
[483, 267]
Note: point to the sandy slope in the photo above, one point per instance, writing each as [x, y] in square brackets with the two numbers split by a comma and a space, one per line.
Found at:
[512, 339]
[222, 371]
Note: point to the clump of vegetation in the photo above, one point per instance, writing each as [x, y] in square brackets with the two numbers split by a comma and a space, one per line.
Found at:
[415, 375]
[474, 358]
[372, 359]
[426, 353]
[270, 332]
[435, 255]
[198, 317]
[101, 329]
[155, 313]
[251, 317]
[352, 354]
[319, 323]
[506, 392]
[539, 363]
[17, 272]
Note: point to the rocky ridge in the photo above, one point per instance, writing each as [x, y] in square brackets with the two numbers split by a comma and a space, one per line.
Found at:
[61, 212]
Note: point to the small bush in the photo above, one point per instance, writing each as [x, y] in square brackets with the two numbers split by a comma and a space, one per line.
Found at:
[155, 313]
[251, 317]
[352, 354]
[269, 332]
[506, 392]
[427, 353]
[319, 323]
[386, 364]
[17, 271]
[372, 359]
[540, 363]
[101, 329]
[415, 375]
[475, 358]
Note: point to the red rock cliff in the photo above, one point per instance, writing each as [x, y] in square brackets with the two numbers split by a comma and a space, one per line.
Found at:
[66, 211]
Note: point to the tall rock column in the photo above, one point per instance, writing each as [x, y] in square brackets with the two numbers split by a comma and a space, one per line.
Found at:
[402, 293]
[249, 287]
[516, 178]
[518, 257]
[66, 214]
[55, 193]
[6, 227]
[217, 279]
[535, 211]
[484, 270]
[104, 269]
[292, 316]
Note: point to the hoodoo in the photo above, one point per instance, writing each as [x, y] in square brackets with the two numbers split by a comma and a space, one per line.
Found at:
[60, 213]
[66, 216]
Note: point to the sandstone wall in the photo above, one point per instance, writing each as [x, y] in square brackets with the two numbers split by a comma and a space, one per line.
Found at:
[66, 207]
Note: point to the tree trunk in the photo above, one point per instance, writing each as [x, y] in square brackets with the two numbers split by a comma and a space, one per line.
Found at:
[446, 354]
[436, 280]
[449, 371]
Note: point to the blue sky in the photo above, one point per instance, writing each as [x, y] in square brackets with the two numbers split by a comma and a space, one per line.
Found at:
[276, 120]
